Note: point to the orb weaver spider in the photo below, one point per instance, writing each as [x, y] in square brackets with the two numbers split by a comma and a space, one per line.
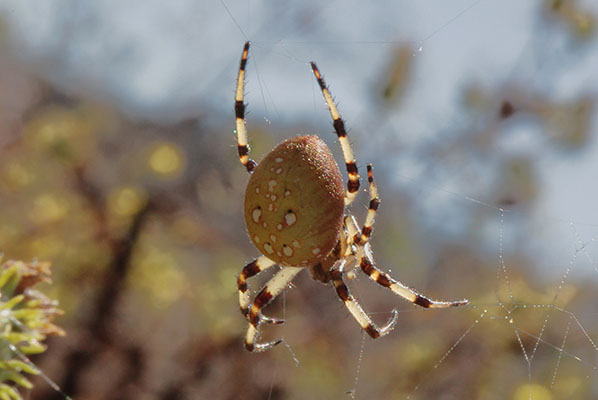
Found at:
[294, 213]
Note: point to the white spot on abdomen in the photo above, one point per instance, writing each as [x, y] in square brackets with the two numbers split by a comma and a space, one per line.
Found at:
[287, 250]
[271, 185]
[268, 248]
[273, 238]
[290, 218]
[256, 214]
[315, 251]
[278, 160]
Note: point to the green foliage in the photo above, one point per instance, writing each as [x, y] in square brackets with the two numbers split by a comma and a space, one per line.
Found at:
[25, 321]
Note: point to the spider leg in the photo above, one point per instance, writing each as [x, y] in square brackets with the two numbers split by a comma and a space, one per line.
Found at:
[352, 230]
[241, 129]
[368, 225]
[252, 269]
[367, 266]
[339, 127]
[355, 309]
[265, 296]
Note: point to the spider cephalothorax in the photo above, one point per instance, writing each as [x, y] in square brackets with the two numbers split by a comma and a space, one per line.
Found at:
[294, 206]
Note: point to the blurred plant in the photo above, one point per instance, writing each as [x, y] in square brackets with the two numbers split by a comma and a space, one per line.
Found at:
[581, 22]
[398, 74]
[166, 160]
[66, 133]
[25, 321]
[567, 123]
[517, 182]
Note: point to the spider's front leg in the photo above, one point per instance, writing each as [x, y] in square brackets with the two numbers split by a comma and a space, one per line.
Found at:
[341, 133]
[264, 297]
[368, 225]
[241, 129]
[355, 237]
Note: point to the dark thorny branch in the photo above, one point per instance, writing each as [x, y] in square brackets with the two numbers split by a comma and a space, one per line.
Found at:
[97, 332]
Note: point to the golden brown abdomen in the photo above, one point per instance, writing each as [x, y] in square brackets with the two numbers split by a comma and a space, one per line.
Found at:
[294, 202]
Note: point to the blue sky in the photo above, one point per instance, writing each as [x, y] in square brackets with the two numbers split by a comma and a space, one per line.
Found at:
[165, 61]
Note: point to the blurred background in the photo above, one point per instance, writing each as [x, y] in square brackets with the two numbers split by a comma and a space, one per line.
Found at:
[118, 165]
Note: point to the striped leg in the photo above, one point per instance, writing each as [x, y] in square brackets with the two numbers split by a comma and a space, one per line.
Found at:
[366, 231]
[355, 309]
[268, 293]
[339, 127]
[240, 115]
[366, 264]
[352, 229]
[252, 269]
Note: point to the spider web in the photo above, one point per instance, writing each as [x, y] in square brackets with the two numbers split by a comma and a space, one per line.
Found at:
[505, 312]
[561, 337]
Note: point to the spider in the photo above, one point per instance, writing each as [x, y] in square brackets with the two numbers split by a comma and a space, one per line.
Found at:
[295, 216]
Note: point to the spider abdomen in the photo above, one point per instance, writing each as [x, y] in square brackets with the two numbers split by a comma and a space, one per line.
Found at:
[294, 202]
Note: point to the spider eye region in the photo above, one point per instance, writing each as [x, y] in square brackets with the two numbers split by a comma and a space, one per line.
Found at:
[294, 202]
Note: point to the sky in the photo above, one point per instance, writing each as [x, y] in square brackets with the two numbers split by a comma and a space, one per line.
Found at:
[166, 61]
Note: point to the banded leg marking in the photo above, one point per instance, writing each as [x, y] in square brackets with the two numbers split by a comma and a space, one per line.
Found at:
[267, 294]
[352, 229]
[399, 288]
[358, 313]
[241, 129]
[251, 269]
[368, 226]
[339, 127]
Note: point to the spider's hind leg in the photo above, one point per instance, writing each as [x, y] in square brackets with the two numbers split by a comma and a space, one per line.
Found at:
[264, 297]
[367, 266]
[344, 254]
[366, 263]
[253, 268]
[355, 309]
